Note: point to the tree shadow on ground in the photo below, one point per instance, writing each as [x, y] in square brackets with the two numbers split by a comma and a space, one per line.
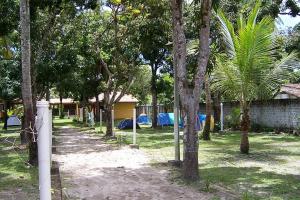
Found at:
[263, 184]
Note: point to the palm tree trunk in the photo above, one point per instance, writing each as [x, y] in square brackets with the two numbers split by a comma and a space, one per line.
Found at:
[216, 101]
[206, 130]
[245, 125]
[26, 79]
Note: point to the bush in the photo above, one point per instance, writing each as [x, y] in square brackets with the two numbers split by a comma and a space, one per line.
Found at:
[233, 119]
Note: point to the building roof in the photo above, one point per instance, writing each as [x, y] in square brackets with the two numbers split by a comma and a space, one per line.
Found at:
[64, 101]
[127, 98]
[291, 89]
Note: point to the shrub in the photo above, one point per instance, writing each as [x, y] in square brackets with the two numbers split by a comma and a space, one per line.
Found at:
[233, 119]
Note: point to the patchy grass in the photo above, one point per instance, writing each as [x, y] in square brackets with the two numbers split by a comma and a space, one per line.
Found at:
[271, 170]
[15, 176]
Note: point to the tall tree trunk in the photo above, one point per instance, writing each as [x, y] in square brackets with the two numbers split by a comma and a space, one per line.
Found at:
[190, 95]
[26, 80]
[206, 130]
[216, 101]
[245, 125]
[5, 116]
[97, 114]
[48, 94]
[61, 110]
[108, 120]
[190, 142]
[154, 96]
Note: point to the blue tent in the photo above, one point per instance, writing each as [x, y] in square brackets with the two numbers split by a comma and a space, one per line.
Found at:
[126, 124]
[143, 119]
[165, 119]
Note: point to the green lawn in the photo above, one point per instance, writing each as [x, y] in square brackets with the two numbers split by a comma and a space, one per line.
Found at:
[15, 175]
[270, 171]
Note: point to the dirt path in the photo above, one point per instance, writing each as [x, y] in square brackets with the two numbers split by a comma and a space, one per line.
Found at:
[92, 170]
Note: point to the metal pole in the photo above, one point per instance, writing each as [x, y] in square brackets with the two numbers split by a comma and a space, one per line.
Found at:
[43, 149]
[100, 120]
[134, 126]
[222, 118]
[176, 117]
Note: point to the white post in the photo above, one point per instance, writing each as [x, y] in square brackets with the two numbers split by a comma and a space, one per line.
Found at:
[50, 134]
[81, 114]
[134, 126]
[222, 118]
[100, 120]
[68, 114]
[43, 149]
[113, 122]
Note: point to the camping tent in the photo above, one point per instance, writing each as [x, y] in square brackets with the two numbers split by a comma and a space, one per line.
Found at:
[13, 121]
[143, 119]
[165, 119]
[127, 124]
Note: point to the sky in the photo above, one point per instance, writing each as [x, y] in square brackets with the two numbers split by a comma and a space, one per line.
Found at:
[288, 21]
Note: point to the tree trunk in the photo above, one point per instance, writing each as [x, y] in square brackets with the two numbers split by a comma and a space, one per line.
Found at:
[206, 130]
[154, 96]
[190, 141]
[245, 125]
[61, 110]
[5, 116]
[108, 120]
[97, 115]
[217, 109]
[26, 80]
[190, 95]
[48, 94]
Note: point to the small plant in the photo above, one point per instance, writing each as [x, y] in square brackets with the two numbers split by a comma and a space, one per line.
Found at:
[233, 119]
[245, 196]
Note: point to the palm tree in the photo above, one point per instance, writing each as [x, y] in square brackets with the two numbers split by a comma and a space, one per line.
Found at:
[248, 71]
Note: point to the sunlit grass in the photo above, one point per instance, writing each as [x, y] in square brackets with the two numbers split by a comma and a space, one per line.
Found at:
[14, 173]
[270, 171]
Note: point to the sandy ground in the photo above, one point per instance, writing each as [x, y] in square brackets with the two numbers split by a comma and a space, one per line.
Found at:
[92, 170]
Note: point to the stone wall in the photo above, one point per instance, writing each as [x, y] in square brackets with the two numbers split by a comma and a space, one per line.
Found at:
[275, 113]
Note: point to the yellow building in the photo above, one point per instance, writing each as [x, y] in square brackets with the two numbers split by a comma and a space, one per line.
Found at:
[122, 110]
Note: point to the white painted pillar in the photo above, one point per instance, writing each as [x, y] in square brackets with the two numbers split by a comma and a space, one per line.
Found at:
[222, 117]
[100, 120]
[113, 122]
[68, 114]
[43, 149]
[134, 126]
[81, 114]
[50, 134]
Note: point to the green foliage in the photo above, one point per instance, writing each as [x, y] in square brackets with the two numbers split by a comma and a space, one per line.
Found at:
[249, 70]
[142, 85]
[233, 119]
[165, 87]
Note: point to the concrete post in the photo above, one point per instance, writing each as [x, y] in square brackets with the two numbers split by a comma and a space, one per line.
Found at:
[134, 126]
[81, 114]
[113, 122]
[222, 118]
[50, 134]
[100, 120]
[43, 149]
